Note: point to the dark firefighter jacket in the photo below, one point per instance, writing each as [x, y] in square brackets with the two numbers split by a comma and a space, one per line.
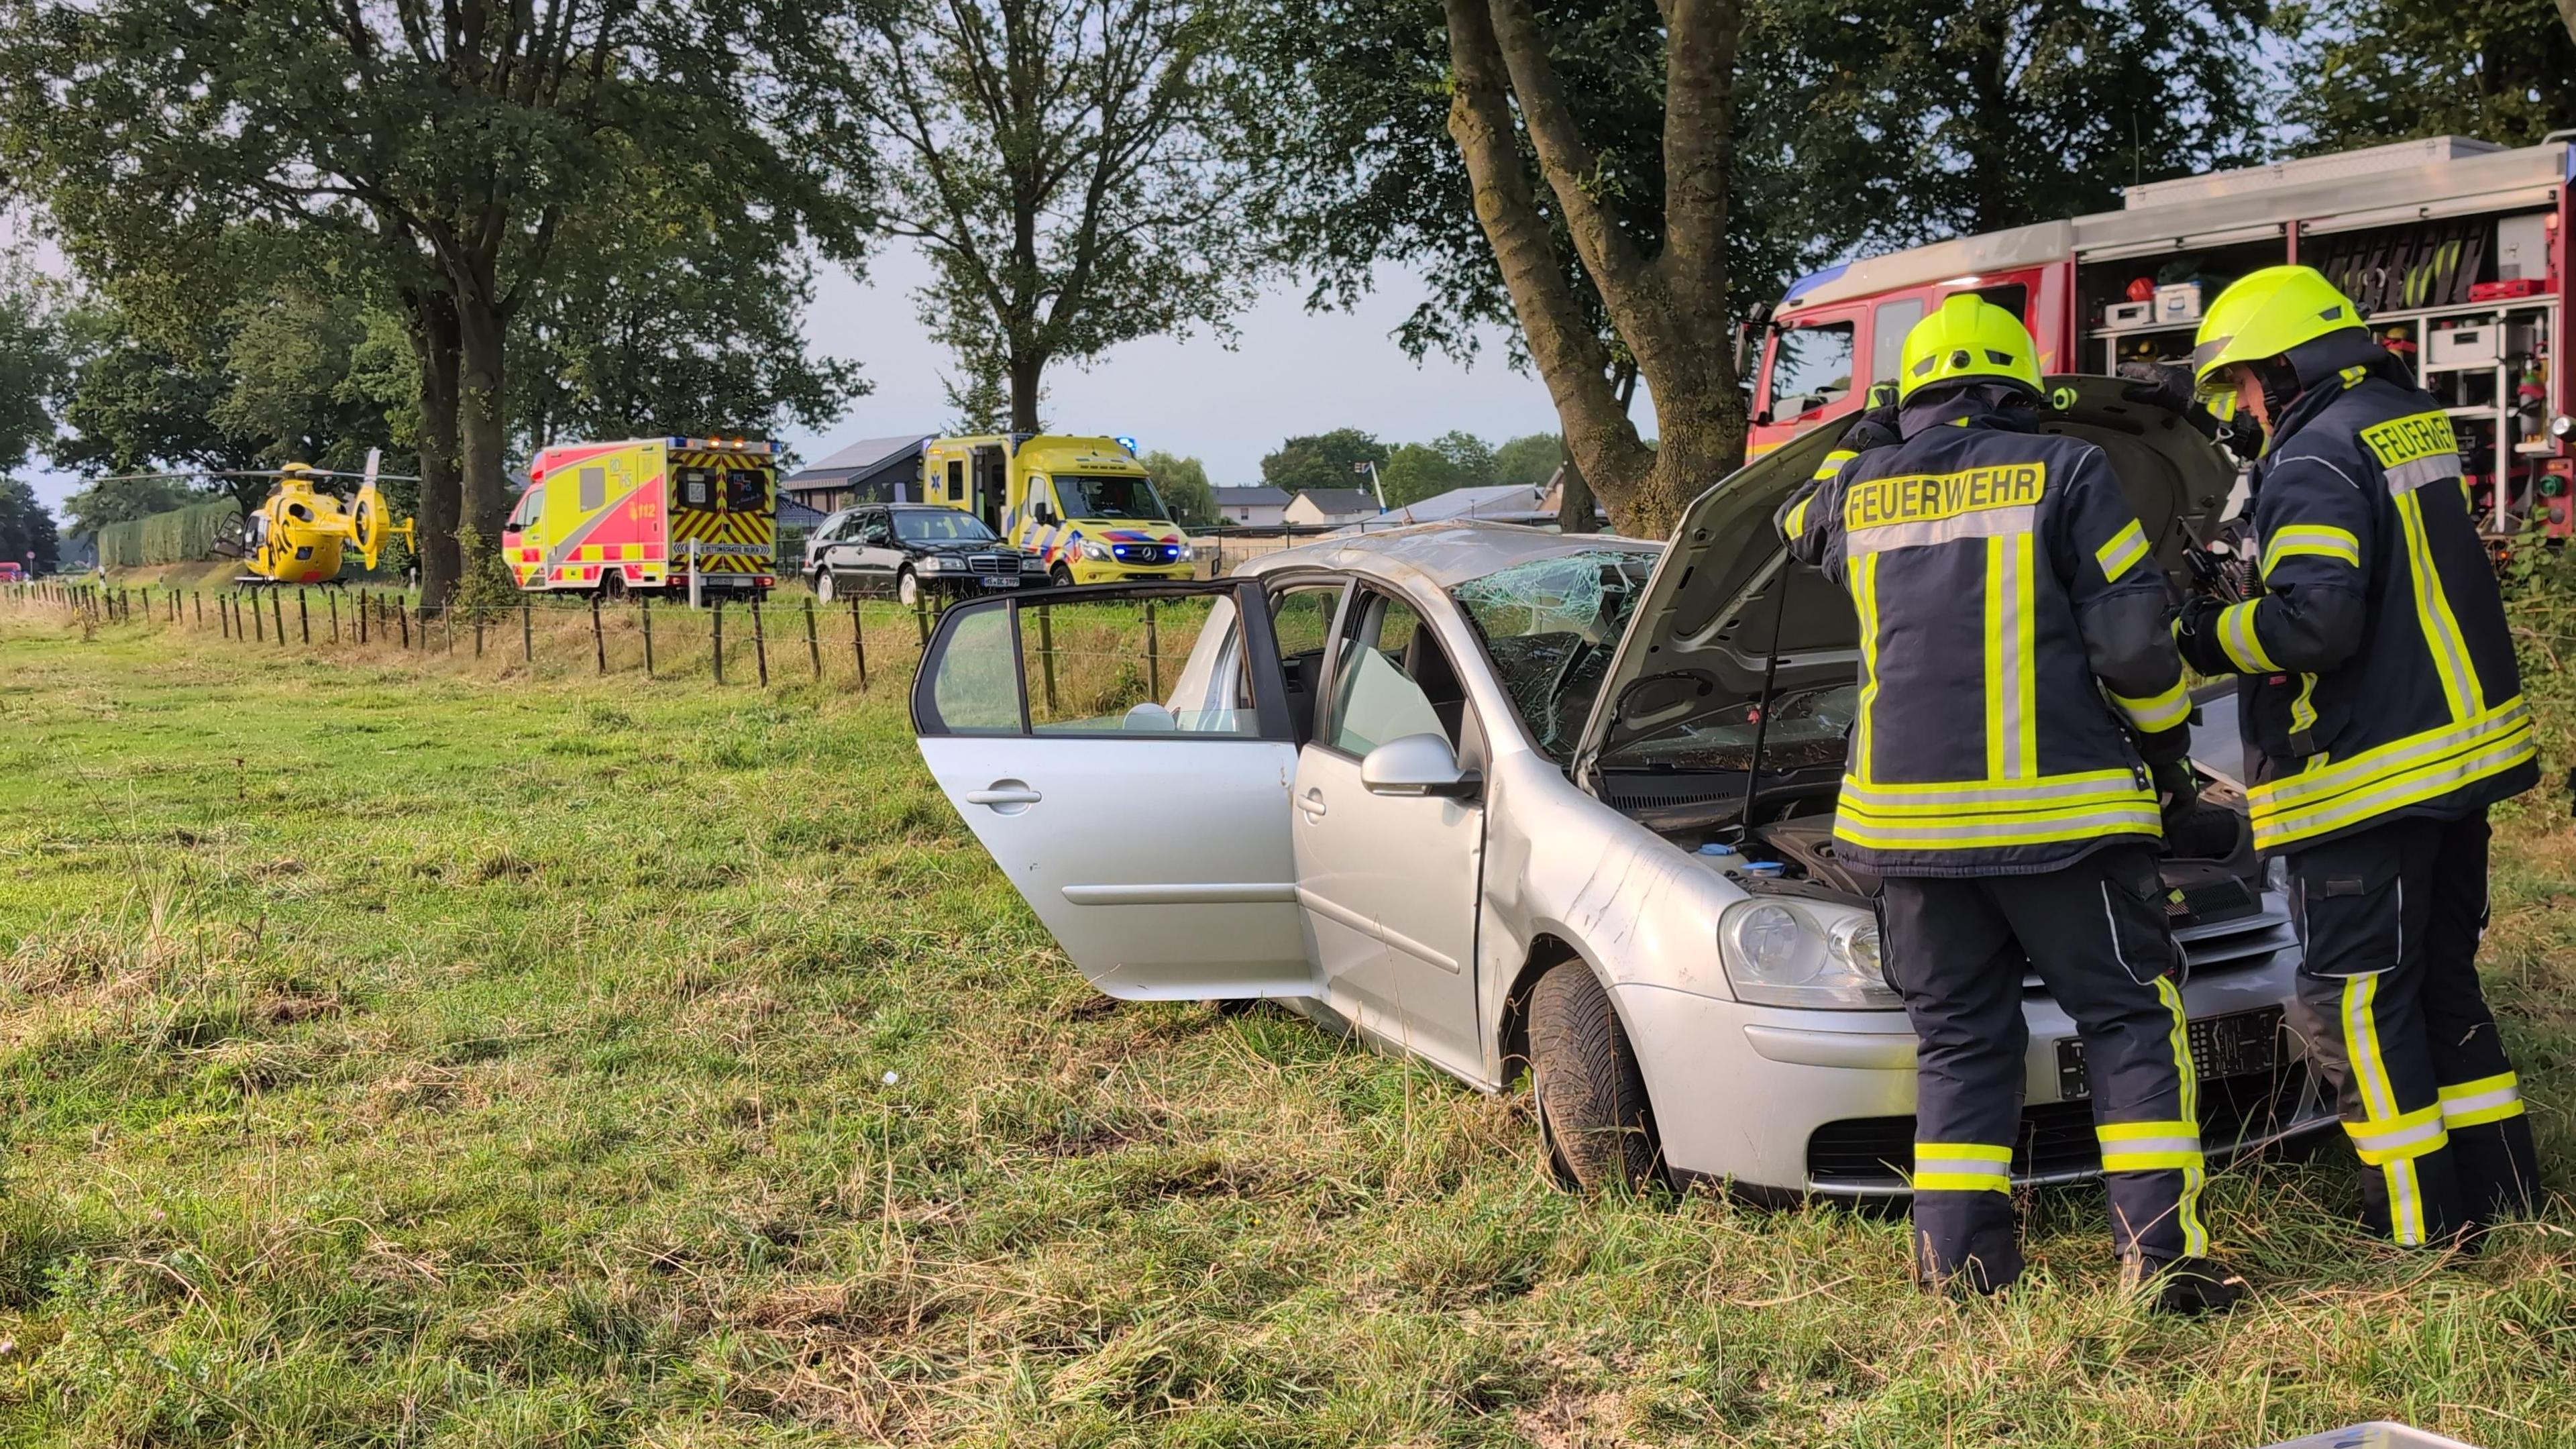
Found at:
[2379, 679]
[2011, 615]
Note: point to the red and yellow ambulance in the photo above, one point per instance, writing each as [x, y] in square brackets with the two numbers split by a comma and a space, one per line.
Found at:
[648, 513]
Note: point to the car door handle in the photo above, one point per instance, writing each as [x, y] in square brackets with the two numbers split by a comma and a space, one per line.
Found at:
[1002, 794]
[1312, 802]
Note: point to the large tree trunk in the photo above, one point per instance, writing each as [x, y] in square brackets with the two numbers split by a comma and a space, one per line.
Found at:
[434, 342]
[2567, 15]
[1028, 375]
[482, 415]
[1671, 309]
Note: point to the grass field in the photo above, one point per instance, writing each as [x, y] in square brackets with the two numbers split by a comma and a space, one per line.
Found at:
[395, 1055]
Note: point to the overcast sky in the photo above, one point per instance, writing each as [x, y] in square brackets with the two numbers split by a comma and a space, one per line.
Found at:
[1291, 372]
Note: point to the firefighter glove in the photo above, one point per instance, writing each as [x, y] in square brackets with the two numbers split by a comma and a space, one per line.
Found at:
[2196, 635]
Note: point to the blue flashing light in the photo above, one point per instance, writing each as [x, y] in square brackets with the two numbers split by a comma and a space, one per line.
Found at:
[1128, 443]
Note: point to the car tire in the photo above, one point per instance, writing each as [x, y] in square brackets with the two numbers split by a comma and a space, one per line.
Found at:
[823, 586]
[907, 589]
[1060, 577]
[612, 588]
[1592, 1108]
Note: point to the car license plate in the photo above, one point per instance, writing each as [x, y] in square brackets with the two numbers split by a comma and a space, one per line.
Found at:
[1000, 581]
[2240, 1044]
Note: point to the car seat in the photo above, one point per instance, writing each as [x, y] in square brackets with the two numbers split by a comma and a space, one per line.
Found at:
[1427, 664]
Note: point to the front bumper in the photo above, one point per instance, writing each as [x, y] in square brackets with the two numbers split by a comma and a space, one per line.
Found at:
[1822, 1101]
[1086, 571]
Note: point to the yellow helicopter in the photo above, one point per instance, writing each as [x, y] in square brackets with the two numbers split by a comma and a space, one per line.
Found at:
[299, 534]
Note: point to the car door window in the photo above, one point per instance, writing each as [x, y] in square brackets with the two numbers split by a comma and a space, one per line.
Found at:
[1811, 368]
[876, 532]
[1301, 619]
[1887, 328]
[1386, 675]
[1169, 662]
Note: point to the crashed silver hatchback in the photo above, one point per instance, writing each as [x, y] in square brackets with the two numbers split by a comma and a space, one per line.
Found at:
[1503, 800]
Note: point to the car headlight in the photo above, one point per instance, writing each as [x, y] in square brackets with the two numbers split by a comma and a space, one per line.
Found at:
[1032, 564]
[930, 565]
[1095, 550]
[1183, 553]
[1803, 954]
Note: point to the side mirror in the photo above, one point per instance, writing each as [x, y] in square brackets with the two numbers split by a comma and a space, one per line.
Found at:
[1418, 765]
[1042, 513]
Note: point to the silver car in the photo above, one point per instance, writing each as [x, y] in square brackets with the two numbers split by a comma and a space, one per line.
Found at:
[1502, 799]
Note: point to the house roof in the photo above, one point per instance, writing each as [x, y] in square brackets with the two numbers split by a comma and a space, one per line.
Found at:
[1498, 500]
[1338, 501]
[863, 457]
[1258, 495]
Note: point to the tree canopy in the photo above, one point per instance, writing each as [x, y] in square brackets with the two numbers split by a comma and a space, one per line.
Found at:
[1323, 460]
[1077, 172]
[1183, 482]
[2388, 70]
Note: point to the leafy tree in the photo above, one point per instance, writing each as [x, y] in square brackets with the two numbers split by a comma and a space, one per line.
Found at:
[1472, 456]
[1076, 171]
[27, 535]
[2389, 70]
[1418, 471]
[34, 365]
[1529, 460]
[1939, 117]
[1323, 460]
[1183, 482]
[1518, 153]
[446, 149]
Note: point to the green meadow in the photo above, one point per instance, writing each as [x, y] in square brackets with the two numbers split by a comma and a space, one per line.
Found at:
[401, 1049]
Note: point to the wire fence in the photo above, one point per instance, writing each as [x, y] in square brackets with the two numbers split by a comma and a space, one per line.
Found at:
[850, 643]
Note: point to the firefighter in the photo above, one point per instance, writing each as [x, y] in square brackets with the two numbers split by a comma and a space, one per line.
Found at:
[2021, 731]
[2380, 693]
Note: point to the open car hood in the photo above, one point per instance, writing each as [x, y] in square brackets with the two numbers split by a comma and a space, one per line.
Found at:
[1700, 637]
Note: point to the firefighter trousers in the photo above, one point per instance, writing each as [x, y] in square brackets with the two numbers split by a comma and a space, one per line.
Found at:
[2095, 931]
[2389, 1002]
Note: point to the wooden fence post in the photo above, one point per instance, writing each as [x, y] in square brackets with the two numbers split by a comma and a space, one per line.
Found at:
[362, 616]
[402, 620]
[303, 618]
[1153, 657]
[258, 624]
[478, 631]
[648, 635]
[859, 641]
[813, 643]
[598, 640]
[197, 602]
[527, 637]
[921, 618]
[1046, 652]
[759, 642]
[277, 614]
[719, 640]
[333, 600]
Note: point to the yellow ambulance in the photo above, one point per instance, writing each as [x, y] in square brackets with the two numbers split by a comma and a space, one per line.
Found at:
[1085, 505]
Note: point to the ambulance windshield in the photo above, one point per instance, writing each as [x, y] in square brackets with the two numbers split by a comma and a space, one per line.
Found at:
[1103, 495]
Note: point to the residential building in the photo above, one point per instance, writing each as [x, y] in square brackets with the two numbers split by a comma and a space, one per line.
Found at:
[1259, 506]
[1320, 506]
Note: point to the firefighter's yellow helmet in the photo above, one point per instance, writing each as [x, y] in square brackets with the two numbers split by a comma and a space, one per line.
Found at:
[1968, 337]
[2265, 314]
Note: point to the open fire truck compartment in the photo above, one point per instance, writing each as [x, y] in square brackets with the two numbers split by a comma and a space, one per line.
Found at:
[2456, 250]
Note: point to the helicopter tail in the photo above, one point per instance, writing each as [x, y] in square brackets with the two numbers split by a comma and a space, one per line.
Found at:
[367, 520]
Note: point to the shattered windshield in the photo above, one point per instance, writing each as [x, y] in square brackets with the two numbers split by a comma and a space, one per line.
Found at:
[1807, 730]
[1550, 625]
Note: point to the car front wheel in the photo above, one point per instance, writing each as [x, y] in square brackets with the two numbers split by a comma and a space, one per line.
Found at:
[907, 589]
[1592, 1108]
[823, 586]
[1060, 576]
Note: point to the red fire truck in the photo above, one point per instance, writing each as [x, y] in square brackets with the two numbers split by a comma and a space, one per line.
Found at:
[2455, 250]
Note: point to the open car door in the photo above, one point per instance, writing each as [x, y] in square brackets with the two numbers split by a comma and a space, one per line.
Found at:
[1125, 753]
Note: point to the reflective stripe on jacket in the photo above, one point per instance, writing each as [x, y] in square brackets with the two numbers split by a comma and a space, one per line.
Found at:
[2014, 630]
[2378, 676]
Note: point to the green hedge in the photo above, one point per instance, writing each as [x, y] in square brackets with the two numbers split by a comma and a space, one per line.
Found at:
[182, 535]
